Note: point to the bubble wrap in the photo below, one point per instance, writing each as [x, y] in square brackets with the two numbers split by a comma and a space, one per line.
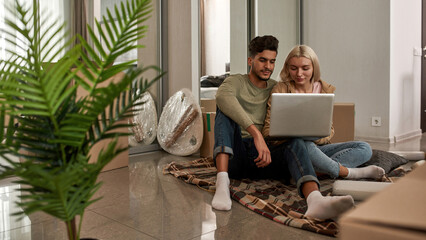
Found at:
[145, 120]
[180, 129]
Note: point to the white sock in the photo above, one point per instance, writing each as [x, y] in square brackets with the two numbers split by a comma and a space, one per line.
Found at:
[327, 207]
[222, 198]
[371, 171]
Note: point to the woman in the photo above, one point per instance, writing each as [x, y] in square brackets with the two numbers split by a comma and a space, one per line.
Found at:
[301, 74]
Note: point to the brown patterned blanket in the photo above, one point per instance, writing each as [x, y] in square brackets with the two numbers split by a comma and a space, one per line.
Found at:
[270, 198]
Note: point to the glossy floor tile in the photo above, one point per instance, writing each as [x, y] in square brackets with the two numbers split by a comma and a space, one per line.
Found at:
[140, 202]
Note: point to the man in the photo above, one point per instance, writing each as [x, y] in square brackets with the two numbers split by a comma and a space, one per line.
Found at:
[240, 150]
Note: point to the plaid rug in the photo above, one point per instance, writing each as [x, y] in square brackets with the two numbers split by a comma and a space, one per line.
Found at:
[270, 198]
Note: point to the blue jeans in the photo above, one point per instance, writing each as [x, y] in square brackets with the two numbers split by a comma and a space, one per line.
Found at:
[328, 158]
[289, 159]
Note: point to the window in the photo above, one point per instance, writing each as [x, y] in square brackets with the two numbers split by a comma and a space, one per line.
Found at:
[53, 11]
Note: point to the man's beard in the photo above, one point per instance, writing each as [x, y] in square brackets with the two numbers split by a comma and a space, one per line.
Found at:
[262, 78]
[257, 73]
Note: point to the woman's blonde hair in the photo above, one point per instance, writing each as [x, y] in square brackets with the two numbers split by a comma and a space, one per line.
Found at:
[301, 51]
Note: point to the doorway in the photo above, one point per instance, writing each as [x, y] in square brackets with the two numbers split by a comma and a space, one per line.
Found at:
[225, 49]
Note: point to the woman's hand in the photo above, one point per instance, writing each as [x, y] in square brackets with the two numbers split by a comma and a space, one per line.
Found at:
[264, 157]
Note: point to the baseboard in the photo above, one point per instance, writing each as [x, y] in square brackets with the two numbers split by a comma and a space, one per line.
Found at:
[391, 139]
[144, 148]
[409, 135]
[375, 139]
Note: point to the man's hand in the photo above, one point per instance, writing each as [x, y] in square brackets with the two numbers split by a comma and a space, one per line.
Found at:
[264, 158]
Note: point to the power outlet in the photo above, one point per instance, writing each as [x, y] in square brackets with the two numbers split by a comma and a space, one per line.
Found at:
[417, 51]
[376, 121]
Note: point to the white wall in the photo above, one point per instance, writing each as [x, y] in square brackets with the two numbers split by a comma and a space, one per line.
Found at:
[280, 19]
[363, 53]
[238, 36]
[183, 46]
[148, 55]
[179, 45]
[366, 50]
[405, 70]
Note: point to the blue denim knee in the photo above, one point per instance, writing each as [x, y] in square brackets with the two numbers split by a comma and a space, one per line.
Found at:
[299, 164]
[349, 154]
[227, 133]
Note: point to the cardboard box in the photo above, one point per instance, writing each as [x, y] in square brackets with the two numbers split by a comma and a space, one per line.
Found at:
[121, 160]
[208, 104]
[81, 92]
[343, 122]
[206, 149]
[397, 212]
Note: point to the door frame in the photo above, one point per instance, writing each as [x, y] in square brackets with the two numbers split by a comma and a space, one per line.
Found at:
[423, 70]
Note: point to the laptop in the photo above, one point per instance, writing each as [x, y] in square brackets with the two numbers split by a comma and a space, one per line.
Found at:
[301, 114]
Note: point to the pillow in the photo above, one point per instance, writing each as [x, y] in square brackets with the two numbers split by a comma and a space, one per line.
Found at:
[386, 160]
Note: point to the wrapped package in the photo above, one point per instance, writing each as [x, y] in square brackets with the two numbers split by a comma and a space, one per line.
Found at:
[180, 129]
[359, 190]
[145, 122]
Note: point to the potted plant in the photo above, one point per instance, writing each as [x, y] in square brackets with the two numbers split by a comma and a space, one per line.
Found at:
[48, 126]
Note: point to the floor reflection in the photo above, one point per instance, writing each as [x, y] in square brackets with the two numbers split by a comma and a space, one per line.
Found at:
[9, 196]
[140, 202]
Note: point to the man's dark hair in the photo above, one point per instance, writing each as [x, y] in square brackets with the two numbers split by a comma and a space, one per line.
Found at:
[259, 44]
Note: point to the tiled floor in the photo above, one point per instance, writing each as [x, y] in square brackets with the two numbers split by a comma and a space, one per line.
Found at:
[139, 202]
